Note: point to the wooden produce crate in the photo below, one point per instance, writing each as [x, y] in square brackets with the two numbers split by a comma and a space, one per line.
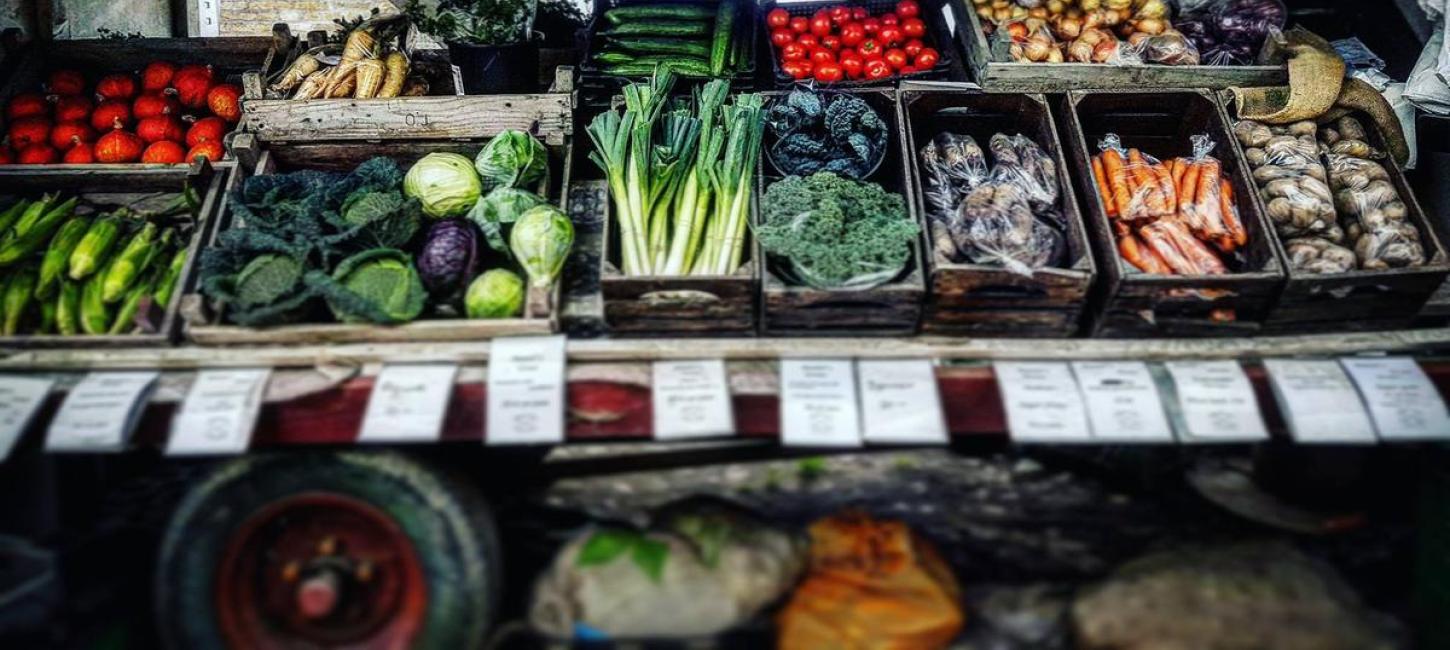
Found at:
[601, 86]
[890, 309]
[206, 324]
[230, 56]
[1001, 74]
[984, 300]
[1133, 304]
[1361, 300]
[114, 186]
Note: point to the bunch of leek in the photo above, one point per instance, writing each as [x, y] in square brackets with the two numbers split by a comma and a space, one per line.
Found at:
[680, 173]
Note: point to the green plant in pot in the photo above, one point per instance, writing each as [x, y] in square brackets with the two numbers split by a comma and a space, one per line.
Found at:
[492, 42]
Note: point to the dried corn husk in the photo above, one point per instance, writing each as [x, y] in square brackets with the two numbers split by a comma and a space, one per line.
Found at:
[369, 78]
[395, 68]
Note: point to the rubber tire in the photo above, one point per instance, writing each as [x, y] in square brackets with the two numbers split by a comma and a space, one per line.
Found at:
[449, 523]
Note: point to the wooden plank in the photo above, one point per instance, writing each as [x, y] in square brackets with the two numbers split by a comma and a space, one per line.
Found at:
[547, 116]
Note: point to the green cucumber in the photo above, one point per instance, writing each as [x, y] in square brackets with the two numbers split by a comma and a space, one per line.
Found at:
[720, 46]
[661, 28]
[644, 68]
[644, 45]
[622, 15]
[613, 58]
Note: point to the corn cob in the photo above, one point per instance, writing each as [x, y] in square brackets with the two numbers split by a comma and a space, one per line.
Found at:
[167, 285]
[90, 254]
[67, 308]
[19, 244]
[129, 264]
[57, 255]
[18, 294]
[95, 316]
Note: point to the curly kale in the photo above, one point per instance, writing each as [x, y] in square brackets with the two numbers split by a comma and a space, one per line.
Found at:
[373, 219]
[836, 233]
[285, 205]
[839, 133]
[258, 276]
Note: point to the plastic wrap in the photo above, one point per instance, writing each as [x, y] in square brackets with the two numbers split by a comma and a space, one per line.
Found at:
[951, 166]
[1028, 39]
[1134, 186]
[1021, 161]
[995, 226]
[1249, 21]
[1319, 255]
[1376, 217]
[1169, 48]
[1205, 197]
[1291, 180]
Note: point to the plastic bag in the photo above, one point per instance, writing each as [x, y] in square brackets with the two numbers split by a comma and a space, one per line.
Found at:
[952, 165]
[1377, 219]
[995, 226]
[1249, 21]
[1205, 197]
[1319, 255]
[1179, 249]
[1026, 40]
[872, 584]
[1133, 186]
[1098, 45]
[1292, 182]
[1021, 161]
[1169, 48]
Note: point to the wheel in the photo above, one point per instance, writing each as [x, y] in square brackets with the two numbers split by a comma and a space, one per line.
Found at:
[357, 550]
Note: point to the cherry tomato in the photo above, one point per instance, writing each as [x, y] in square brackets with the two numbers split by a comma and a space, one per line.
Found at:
[907, 69]
[877, 69]
[895, 57]
[859, 13]
[889, 19]
[794, 52]
[777, 18]
[913, 28]
[821, 25]
[852, 63]
[852, 34]
[800, 24]
[840, 14]
[831, 42]
[822, 55]
[908, 9]
[829, 72]
[889, 34]
[926, 58]
[782, 36]
[797, 69]
[912, 47]
[808, 40]
[869, 48]
[871, 25]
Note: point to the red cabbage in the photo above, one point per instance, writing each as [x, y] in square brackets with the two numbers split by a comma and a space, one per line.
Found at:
[449, 257]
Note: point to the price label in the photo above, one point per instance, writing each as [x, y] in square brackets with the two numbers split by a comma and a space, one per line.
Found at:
[526, 390]
[1042, 402]
[1404, 403]
[1216, 401]
[900, 403]
[818, 403]
[208, 17]
[691, 400]
[219, 412]
[408, 403]
[20, 398]
[1318, 401]
[1123, 403]
[100, 412]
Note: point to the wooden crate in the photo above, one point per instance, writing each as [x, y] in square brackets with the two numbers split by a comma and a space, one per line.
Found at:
[891, 309]
[1133, 304]
[97, 57]
[205, 322]
[112, 187]
[983, 300]
[1000, 74]
[1361, 300]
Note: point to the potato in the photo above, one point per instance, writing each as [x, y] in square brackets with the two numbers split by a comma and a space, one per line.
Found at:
[1305, 127]
[1252, 134]
[1351, 129]
[1255, 156]
[1356, 148]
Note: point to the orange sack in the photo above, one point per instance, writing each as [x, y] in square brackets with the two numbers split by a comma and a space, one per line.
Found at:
[871, 585]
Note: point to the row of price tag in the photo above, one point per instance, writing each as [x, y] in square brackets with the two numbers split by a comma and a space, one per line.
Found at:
[823, 402]
[1347, 401]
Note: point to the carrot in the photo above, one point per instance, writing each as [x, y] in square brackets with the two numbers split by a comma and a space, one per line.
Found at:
[1135, 252]
[1144, 183]
[1118, 180]
[1105, 191]
[1208, 207]
[1180, 166]
[1186, 189]
[1165, 185]
[1230, 215]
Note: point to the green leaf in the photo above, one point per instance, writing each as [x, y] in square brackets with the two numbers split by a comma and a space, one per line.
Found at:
[605, 546]
[650, 555]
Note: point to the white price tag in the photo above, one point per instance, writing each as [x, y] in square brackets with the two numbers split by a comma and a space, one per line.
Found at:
[526, 390]
[219, 412]
[1042, 402]
[691, 400]
[1403, 401]
[408, 403]
[818, 404]
[208, 17]
[20, 398]
[1217, 402]
[1123, 403]
[100, 412]
[1318, 402]
[900, 403]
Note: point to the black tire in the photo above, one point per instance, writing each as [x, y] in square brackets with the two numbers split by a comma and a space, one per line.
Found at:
[447, 521]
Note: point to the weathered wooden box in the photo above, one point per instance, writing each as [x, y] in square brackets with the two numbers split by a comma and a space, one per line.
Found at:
[205, 323]
[1128, 303]
[1000, 74]
[890, 309]
[982, 300]
[114, 186]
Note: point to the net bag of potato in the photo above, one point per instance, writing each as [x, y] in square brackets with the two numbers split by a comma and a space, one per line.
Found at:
[871, 584]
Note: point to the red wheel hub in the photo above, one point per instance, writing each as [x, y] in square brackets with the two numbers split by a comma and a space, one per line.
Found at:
[324, 569]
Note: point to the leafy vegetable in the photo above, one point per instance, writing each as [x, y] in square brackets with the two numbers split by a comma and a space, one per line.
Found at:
[513, 159]
[814, 132]
[449, 257]
[541, 240]
[501, 208]
[376, 286]
[497, 293]
[284, 204]
[375, 219]
[258, 276]
[836, 233]
[444, 183]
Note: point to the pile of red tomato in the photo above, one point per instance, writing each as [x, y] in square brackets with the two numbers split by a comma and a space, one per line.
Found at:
[848, 43]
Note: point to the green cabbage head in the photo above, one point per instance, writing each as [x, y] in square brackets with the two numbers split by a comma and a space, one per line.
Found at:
[444, 183]
[541, 240]
[497, 293]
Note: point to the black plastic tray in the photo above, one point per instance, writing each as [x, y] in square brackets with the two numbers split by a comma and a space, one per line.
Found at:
[931, 14]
